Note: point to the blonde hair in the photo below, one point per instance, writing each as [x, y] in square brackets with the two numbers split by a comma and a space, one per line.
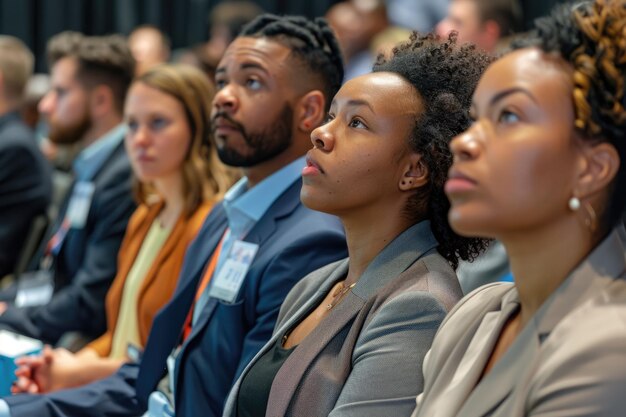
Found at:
[16, 66]
[205, 178]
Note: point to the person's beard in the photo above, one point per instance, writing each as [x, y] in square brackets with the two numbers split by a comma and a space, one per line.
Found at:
[68, 134]
[265, 145]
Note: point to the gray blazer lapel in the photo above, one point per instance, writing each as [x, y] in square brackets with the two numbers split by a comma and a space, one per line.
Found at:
[394, 259]
[325, 284]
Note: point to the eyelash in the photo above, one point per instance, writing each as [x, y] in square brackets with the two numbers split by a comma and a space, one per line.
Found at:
[505, 113]
[356, 120]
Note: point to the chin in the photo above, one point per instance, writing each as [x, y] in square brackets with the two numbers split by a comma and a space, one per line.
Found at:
[466, 225]
[310, 200]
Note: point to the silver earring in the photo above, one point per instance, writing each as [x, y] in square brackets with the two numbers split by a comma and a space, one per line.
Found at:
[574, 203]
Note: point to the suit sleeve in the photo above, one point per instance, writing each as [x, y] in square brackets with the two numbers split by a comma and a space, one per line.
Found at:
[387, 360]
[110, 397]
[80, 305]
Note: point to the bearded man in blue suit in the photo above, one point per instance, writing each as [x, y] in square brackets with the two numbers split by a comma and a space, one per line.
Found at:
[274, 85]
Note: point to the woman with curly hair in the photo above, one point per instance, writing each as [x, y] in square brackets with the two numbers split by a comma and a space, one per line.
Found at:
[542, 170]
[350, 337]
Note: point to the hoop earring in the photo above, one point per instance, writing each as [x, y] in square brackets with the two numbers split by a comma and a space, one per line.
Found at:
[591, 220]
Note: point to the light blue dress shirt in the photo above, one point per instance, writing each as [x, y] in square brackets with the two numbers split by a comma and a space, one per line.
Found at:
[89, 161]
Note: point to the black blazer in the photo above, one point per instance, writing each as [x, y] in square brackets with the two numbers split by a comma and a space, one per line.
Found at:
[87, 262]
[25, 187]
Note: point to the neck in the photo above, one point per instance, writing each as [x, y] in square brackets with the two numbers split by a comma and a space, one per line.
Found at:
[367, 235]
[542, 258]
[259, 172]
[100, 128]
[171, 191]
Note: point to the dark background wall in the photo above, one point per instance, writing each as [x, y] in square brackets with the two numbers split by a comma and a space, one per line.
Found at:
[185, 21]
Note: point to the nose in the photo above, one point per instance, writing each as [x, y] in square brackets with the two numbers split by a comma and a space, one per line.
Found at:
[465, 146]
[322, 139]
[226, 99]
[139, 137]
[46, 103]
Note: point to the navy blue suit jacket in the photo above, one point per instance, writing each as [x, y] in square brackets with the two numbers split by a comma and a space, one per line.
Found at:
[293, 241]
[87, 262]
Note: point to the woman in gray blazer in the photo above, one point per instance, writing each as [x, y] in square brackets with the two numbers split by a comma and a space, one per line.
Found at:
[543, 170]
[351, 336]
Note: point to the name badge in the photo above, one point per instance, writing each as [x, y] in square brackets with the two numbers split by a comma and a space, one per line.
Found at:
[79, 204]
[227, 282]
[35, 288]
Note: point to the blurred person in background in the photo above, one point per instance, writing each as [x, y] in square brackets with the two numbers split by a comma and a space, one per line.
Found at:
[90, 77]
[356, 23]
[149, 46]
[226, 20]
[489, 24]
[25, 186]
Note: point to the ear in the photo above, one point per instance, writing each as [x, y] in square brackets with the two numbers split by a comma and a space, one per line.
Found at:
[101, 100]
[492, 32]
[414, 173]
[599, 166]
[310, 111]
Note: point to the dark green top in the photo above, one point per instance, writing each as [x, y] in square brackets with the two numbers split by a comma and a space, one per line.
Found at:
[256, 384]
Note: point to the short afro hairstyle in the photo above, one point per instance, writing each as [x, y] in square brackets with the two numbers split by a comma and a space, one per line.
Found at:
[444, 76]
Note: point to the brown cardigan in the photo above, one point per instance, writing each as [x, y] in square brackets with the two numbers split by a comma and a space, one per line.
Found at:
[160, 280]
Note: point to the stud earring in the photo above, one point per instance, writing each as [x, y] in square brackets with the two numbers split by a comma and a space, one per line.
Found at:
[574, 203]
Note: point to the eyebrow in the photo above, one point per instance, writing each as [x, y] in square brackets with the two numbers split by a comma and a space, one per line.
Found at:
[503, 94]
[244, 66]
[357, 103]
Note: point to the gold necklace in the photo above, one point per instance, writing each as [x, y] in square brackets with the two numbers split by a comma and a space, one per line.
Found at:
[338, 295]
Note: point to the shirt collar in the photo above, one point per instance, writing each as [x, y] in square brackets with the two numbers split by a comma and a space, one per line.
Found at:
[244, 207]
[90, 160]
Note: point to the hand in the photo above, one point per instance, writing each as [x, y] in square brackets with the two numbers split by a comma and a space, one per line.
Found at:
[54, 369]
[3, 307]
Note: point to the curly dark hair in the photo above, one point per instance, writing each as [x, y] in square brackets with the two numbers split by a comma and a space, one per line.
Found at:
[444, 75]
[312, 42]
[591, 37]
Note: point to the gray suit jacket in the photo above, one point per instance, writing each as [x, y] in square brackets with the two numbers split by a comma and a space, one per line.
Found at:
[569, 360]
[365, 358]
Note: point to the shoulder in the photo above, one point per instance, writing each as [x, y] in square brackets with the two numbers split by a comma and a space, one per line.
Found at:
[582, 363]
[116, 171]
[595, 328]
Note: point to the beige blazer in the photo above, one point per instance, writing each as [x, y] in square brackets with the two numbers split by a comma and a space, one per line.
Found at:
[569, 360]
[365, 358]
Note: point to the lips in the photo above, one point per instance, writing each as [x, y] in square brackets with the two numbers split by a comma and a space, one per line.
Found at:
[312, 167]
[224, 125]
[458, 182]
